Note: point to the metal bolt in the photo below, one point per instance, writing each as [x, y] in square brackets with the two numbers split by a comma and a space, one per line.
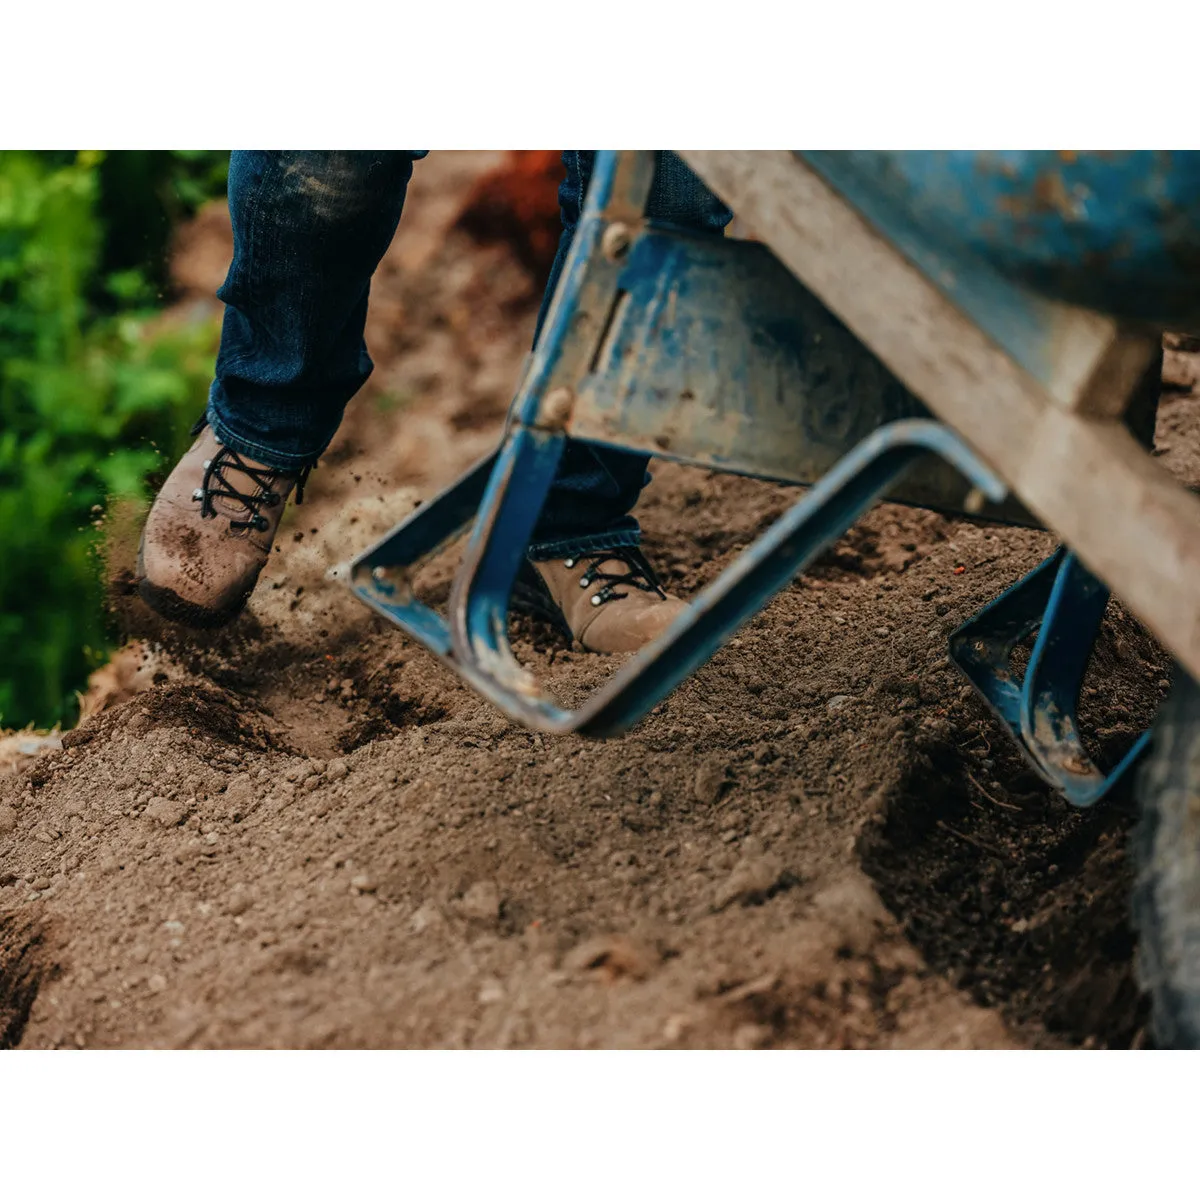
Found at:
[556, 407]
[615, 240]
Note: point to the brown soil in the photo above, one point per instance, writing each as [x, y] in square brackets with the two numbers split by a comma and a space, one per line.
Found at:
[303, 832]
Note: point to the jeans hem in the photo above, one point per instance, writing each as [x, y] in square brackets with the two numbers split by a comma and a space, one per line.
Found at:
[591, 543]
[277, 460]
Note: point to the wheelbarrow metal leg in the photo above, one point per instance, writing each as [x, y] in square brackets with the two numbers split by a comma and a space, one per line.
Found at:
[1064, 603]
[478, 622]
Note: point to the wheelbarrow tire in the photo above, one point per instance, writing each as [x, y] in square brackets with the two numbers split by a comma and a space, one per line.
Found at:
[1167, 858]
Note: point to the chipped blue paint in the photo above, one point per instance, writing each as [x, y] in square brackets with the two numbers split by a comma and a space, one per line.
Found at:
[1117, 231]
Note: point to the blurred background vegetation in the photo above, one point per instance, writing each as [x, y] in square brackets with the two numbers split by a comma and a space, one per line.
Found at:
[97, 392]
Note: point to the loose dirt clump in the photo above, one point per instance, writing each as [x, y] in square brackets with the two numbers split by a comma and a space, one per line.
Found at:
[301, 831]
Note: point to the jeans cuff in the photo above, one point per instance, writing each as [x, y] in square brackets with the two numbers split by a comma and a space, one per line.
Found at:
[277, 460]
[574, 547]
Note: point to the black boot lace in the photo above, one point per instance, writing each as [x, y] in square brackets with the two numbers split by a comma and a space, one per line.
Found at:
[640, 574]
[216, 485]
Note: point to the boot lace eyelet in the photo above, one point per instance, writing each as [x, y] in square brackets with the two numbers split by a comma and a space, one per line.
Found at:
[264, 478]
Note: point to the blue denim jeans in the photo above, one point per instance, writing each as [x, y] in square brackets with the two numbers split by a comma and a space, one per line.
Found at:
[309, 229]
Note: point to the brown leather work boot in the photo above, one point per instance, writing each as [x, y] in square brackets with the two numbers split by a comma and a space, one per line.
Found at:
[611, 602]
[209, 533]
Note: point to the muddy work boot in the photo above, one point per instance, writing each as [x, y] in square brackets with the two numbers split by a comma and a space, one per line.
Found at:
[209, 533]
[610, 602]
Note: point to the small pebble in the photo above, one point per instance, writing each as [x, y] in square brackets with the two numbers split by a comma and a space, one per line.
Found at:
[481, 901]
[363, 883]
[492, 992]
[312, 783]
[750, 880]
[240, 797]
[337, 769]
[711, 779]
[751, 1037]
[426, 917]
[166, 813]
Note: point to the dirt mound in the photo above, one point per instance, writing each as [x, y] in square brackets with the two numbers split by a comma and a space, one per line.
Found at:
[303, 832]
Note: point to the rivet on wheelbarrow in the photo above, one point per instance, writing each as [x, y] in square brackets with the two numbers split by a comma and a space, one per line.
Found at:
[615, 240]
[556, 408]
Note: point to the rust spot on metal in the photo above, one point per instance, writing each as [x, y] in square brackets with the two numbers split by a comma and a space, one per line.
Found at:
[1051, 195]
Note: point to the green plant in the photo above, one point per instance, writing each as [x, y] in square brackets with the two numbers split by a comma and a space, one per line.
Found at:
[95, 389]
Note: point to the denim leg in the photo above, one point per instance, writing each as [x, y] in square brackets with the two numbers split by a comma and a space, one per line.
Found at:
[309, 229]
[589, 506]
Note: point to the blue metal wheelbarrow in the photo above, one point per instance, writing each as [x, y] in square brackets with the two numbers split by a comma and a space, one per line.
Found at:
[971, 332]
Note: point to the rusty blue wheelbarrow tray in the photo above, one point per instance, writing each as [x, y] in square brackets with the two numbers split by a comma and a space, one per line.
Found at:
[973, 333]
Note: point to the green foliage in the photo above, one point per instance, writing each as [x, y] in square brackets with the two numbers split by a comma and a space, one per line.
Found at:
[95, 391]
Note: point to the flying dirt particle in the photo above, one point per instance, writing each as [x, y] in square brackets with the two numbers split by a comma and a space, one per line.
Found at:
[481, 901]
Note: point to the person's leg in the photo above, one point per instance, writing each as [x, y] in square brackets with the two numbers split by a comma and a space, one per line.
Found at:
[585, 555]
[309, 229]
[590, 505]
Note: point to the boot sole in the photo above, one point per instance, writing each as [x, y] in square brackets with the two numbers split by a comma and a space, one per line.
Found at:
[175, 608]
